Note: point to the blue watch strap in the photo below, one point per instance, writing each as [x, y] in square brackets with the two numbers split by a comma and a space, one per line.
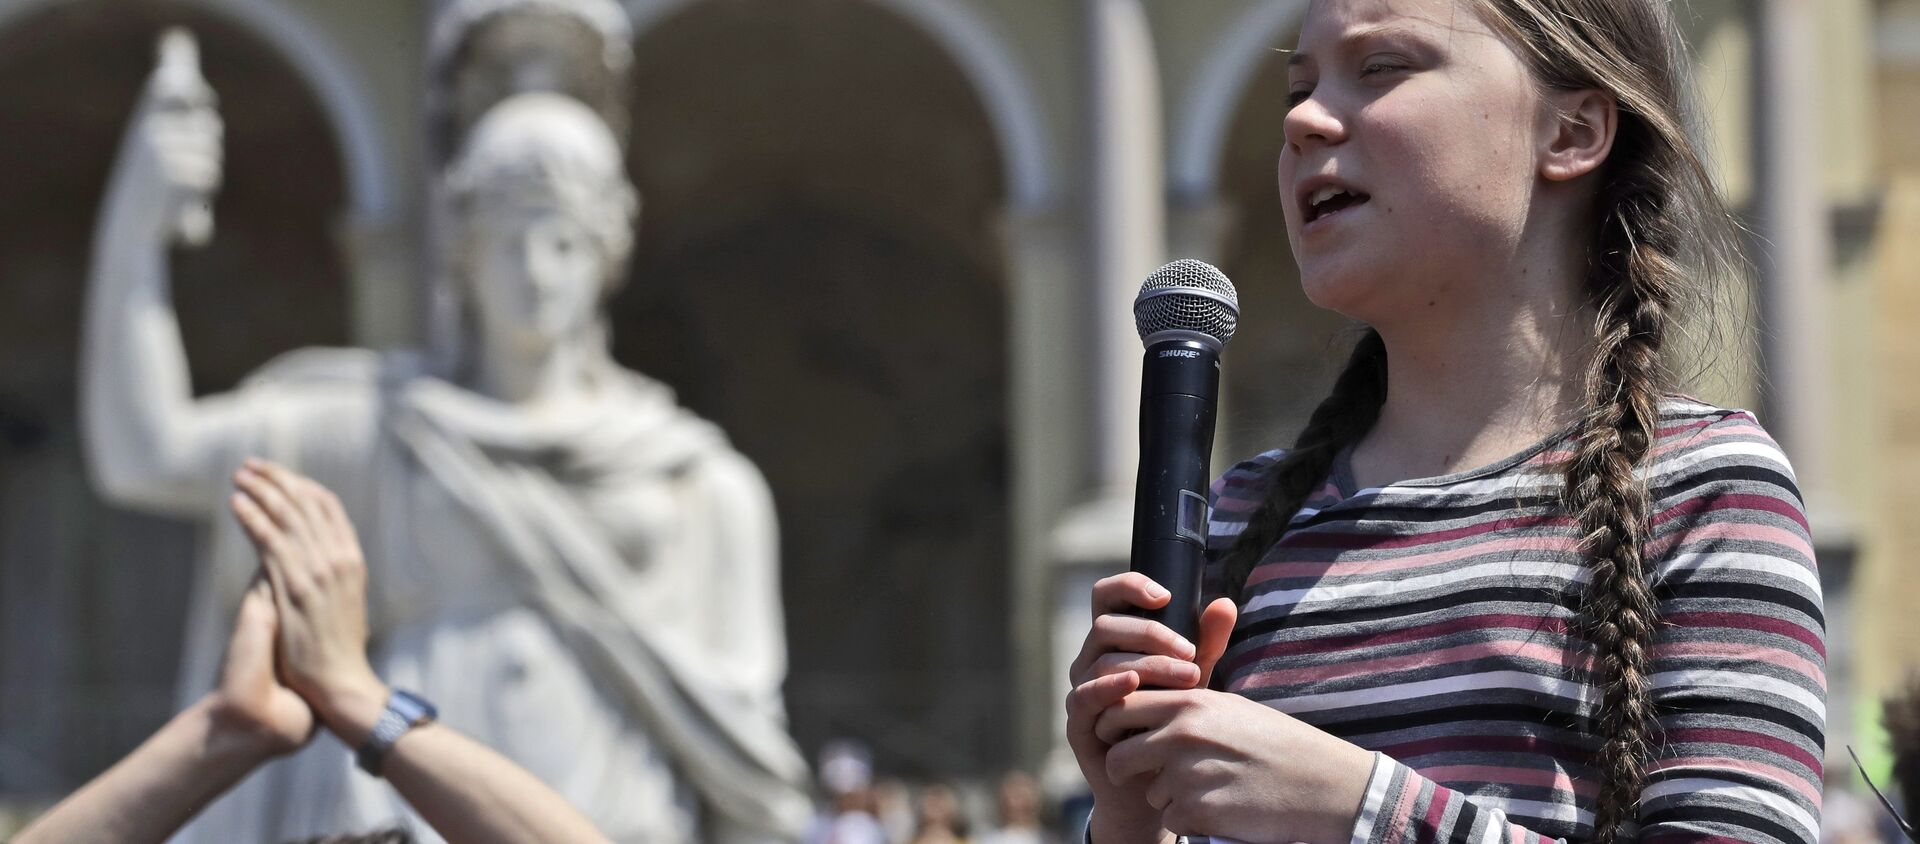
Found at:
[405, 710]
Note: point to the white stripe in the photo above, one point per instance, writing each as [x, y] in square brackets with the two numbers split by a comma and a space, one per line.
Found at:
[1536, 809]
[1716, 679]
[1677, 406]
[1321, 593]
[1376, 798]
[1768, 453]
[1776, 805]
[1746, 561]
[1493, 833]
[1477, 682]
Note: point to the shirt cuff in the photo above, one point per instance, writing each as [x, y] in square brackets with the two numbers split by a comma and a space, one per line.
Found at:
[1375, 804]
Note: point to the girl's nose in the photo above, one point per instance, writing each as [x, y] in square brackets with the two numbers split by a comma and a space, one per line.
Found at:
[1313, 123]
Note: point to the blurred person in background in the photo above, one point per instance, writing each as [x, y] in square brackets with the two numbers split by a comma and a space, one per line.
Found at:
[893, 805]
[296, 661]
[941, 820]
[846, 776]
[1017, 812]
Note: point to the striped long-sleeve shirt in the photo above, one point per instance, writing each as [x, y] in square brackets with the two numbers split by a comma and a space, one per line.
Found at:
[1429, 621]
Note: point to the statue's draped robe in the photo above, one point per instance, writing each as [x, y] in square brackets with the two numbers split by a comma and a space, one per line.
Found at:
[596, 595]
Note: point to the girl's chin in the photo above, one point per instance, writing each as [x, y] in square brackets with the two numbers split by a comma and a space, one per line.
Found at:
[1343, 290]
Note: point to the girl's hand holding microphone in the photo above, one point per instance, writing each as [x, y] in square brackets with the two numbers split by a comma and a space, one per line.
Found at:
[1165, 754]
[1123, 653]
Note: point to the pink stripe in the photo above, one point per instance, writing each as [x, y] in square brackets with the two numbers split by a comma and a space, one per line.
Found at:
[1747, 621]
[1772, 773]
[1341, 567]
[1732, 501]
[1527, 624]
[1343, 541]
[1510, 744]
[1732, 530]
[1687, 837]
[1402, 811]
[1690, 425]
[1702, 433]
[1743, 738]
[1478, 650]
[1757, 653]
[1478, 774]
[1436, 810]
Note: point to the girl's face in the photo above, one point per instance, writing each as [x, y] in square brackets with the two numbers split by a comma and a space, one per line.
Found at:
[1411, 156]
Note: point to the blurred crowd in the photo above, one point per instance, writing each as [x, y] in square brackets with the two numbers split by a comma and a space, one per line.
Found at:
[859, 808]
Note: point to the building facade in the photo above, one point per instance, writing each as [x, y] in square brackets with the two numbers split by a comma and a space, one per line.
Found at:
[890, 246]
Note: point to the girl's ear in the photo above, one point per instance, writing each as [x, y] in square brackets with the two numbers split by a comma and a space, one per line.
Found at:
[1579, 133]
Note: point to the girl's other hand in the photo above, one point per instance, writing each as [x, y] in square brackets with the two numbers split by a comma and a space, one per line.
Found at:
[1218, 764]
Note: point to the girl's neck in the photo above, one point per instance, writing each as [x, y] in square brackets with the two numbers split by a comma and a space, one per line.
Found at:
[1476, 379]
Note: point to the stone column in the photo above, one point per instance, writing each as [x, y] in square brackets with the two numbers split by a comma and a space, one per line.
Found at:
[1126, 215]
[1795, 260]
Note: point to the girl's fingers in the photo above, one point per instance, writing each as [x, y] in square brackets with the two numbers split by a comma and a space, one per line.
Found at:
[1159, 792]
[1216, 631]
[1089, 699]
[1143, 753]
[1117, 633]
[1144, 712]
[1128, 590]
[1154, 671]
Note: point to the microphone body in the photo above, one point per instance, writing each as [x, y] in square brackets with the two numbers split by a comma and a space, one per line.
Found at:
[1179, 390]
[1186, 312]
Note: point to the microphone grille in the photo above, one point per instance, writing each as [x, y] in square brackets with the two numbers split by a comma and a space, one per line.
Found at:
[1190, 296]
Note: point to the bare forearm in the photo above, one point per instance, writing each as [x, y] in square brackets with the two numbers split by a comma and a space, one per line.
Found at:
[157, 788]
[466, 790]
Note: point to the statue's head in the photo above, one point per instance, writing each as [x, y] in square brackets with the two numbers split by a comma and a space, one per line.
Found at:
[482, 51]
[541, 216]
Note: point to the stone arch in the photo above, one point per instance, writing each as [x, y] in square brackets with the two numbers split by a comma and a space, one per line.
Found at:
[1003, 86]
[820, 270]
[92, 597]
[371, 169]
[1214, 99]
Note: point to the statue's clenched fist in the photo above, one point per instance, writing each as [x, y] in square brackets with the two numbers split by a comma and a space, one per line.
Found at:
[177, 137]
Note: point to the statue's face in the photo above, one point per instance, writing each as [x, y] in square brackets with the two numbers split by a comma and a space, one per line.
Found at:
[535, 274]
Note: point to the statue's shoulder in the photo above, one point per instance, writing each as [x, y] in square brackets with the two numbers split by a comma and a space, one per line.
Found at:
[343, 369]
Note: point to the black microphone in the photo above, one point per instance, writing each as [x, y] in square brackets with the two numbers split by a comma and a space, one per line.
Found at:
[1186, 312]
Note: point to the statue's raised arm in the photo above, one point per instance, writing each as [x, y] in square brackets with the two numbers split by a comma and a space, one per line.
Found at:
[149, 442]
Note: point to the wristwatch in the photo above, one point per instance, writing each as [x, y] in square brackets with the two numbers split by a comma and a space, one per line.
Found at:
[405, 710]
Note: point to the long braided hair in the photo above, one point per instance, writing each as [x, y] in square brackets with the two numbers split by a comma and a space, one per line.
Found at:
[1661, 237]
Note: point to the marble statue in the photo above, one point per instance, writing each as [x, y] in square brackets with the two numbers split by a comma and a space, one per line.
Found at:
[578, 571]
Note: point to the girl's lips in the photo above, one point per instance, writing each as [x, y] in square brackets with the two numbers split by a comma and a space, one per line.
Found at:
[1319, 219]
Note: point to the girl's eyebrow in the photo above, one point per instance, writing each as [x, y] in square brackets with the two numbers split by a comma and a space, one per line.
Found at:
[1354, 35]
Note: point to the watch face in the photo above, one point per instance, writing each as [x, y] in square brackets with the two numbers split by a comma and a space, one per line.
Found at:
[412, 707]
